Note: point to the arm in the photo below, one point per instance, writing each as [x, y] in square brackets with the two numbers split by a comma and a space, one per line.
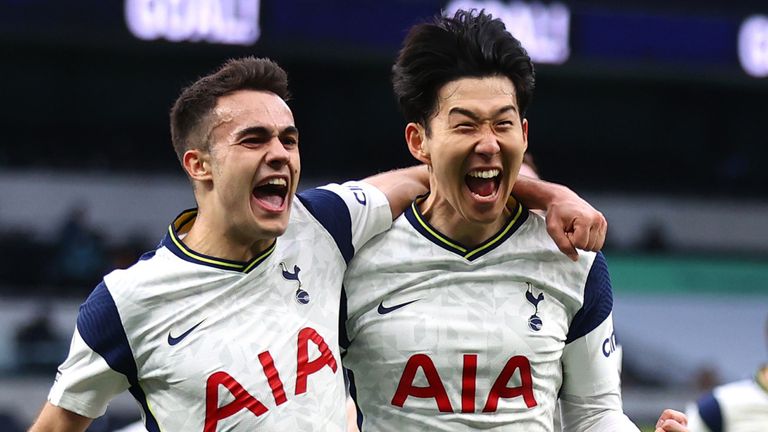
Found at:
[571, 222]
[590, 395]
[85, 382]
[55, 419]
[597, 413]
[401, 186]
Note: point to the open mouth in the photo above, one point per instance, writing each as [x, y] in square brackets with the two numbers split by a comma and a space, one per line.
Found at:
[483, 183]
[272, 193]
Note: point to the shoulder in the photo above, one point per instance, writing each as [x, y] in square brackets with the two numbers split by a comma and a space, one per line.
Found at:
[335, 197]
[534, 244]
[397, 245]
[744, 391]
[156, 264]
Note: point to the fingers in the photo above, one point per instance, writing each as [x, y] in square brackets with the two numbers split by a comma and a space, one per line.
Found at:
[576, 225]
[562, 238]
[670, 414]
[672, 421]
[602, 231]
[671, 426]
[583, 234]
[595, 227]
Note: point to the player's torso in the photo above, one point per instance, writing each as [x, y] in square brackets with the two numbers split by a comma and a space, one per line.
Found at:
[225, 350]
[744, 406]
[440, 342]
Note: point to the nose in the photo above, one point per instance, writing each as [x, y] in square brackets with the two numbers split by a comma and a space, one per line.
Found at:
[277, 154]
[488, 144]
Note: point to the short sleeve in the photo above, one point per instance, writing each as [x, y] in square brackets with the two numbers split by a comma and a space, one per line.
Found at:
[590, 364]
[95, 369]
[84, 382]
[353, 213]
[705, 415]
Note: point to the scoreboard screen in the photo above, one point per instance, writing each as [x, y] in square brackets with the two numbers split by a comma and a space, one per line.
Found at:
[729, 42]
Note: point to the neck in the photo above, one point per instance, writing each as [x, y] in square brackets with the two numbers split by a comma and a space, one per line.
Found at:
[762, 377]
[208, 238]
[441, 215]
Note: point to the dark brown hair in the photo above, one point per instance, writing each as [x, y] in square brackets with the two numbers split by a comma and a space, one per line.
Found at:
[196, 102]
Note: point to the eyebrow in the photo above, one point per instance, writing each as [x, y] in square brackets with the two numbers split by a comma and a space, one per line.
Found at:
[475, 117]
[261, 131]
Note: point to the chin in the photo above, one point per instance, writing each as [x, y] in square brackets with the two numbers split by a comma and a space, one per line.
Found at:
[271, 228]
[278, 229]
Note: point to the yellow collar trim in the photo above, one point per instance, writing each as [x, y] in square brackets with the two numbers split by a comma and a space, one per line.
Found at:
[466, 252]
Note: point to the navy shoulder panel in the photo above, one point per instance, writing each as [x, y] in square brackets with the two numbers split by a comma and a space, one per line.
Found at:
[100, 326]
[332, 212]
[598, 300]
[709, 410]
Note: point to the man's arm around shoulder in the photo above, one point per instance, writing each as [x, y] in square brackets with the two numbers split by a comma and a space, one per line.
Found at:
[401, 186]
[56, 419]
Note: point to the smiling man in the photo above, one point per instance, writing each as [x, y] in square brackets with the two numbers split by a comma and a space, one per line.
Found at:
[232, 322]
[464, 316]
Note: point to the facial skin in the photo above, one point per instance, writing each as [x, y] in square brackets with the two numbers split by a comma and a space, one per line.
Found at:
[253, 141]
[477, 131]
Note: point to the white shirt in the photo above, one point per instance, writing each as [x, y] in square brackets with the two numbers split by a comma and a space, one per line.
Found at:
[443, 337]
[206, 344]
[741, 406]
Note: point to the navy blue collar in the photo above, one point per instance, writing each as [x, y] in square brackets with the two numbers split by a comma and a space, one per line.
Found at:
[182, 225]
[419, 222]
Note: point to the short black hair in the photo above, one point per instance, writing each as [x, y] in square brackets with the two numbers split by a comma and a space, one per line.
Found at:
[197, 101]
[469, 44]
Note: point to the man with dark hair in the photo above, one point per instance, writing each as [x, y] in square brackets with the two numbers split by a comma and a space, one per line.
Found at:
[232, 322]
[485, 324]
[739, 406]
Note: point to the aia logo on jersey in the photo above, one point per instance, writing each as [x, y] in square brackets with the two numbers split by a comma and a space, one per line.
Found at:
[301, 296]
[241, 399]
[534, 322]
[515, 380]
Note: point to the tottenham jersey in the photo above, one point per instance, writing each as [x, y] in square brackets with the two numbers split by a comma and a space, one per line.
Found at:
[444, 337]
[740, 406]
[206, 344]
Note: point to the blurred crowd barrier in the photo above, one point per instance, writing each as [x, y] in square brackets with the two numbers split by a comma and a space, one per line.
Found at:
[690, 277]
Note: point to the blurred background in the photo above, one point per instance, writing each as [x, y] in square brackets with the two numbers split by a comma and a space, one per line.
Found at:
[657, 114]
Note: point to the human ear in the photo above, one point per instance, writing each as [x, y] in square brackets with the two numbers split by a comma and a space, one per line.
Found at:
[525, 132]
[415, 136]
[197, 164]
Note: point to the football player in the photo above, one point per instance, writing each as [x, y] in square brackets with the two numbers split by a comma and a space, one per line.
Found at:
[732, 407]
[232, 322]
[464, 315]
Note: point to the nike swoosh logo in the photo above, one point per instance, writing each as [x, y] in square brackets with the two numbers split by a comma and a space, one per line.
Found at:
[174, 340]
[383, 310]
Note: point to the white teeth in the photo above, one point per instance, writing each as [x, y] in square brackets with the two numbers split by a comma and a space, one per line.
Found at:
[277, 181]
[485, 173]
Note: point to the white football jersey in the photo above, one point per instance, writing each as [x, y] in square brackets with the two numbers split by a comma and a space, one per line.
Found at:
[444, 337]
[740, 406]
[206, 344]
